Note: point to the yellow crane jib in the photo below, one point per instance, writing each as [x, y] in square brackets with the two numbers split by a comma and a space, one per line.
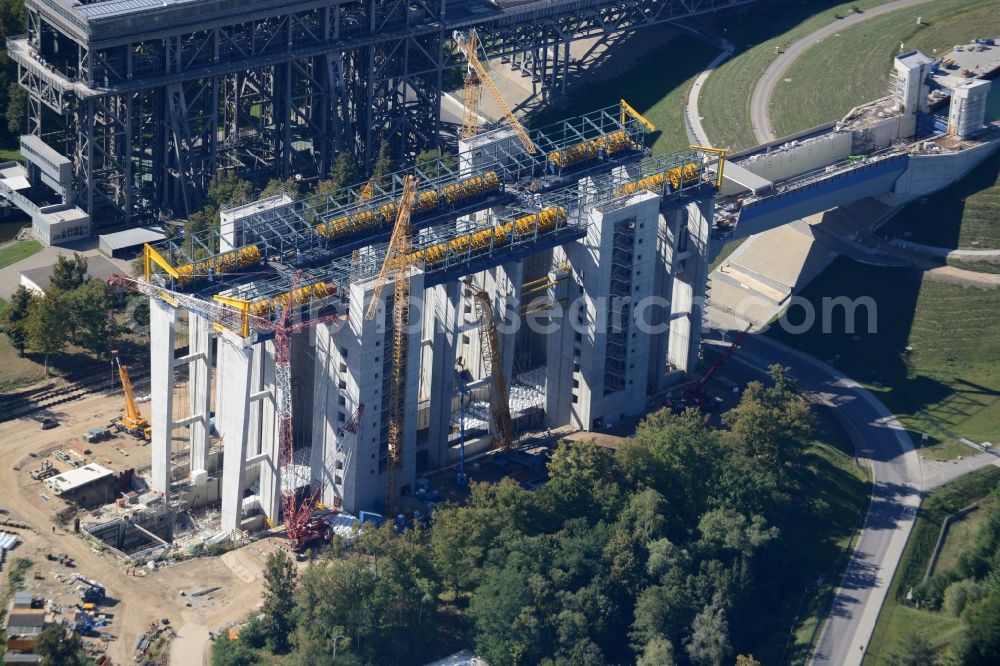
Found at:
[627, 110]
[467, 42]
[473, 95]
[399, 244]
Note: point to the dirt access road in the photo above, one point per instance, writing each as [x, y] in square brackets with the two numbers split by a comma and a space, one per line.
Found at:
[136, 600]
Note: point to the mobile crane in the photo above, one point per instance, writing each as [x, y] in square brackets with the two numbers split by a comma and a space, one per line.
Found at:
[132, 422]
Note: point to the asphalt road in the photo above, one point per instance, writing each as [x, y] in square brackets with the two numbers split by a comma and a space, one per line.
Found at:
[896, 493]
[760, 101]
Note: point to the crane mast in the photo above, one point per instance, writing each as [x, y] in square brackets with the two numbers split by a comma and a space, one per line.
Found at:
[467, 42]
[397, 263]
[489, 346]
[473, 95]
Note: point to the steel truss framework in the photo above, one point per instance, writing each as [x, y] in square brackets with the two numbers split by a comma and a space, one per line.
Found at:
[150, 100]
[289, 243]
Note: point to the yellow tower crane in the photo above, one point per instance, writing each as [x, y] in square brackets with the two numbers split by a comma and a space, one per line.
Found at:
[398, 262]
[489, 347]
[473, 95]
[467, 42]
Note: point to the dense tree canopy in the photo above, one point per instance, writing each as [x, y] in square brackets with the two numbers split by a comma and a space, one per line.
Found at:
[654, 554]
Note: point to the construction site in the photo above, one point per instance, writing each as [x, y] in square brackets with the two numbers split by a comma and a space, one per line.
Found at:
[317, 362]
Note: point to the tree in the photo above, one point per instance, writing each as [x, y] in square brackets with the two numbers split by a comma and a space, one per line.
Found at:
[709, 642]
[224, 189]
[279, 600]
[343, 173]
[68, 274]
[383, 162]
[57, 648]
[232, 653]
[48, 324]
[277, 186]
[915, 650]
[981, 643]
[93, 324]
[746, 660]
[14, 319]
[658, 652]
[17, 108]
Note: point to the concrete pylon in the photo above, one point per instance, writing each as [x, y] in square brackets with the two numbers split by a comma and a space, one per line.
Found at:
[439, 368]
[236, 359]
[162, 321]
[690, 280]
[199, 392]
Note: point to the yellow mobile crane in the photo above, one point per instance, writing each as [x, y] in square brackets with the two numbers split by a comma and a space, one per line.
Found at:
[398, 261]
[468, 42]
[489, 347]
[132, 422]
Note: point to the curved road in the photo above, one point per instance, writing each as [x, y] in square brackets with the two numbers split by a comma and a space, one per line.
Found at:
[760, 101]
[896, 492]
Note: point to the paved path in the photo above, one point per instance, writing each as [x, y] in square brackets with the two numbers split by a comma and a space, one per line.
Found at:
[939, 472]
[896, 493]
[696, 130]
[760, 101]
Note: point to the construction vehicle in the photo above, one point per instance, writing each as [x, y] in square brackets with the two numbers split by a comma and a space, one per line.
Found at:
[696, 396]
[315, 532]
[468, 43]
[132, 423]
[398, 262]
[92, 592]
[489, 346]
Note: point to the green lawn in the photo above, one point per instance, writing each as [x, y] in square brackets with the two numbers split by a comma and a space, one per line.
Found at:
[10, 155]
[758, 31]
[898, 621]
[962, 534]
[963, 216]
[657, 87]
[948, 380]
[977, 266]
[18, 250]
[843, 71]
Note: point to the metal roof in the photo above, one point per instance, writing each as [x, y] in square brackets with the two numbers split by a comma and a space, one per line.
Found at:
[132, 237]
[77, 478]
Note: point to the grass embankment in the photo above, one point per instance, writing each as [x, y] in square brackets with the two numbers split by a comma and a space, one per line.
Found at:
[656, 87]
[11, 155]
[18, 250]
[843, 71]
[759, 32]
[962, 216]
[898, 621]
[835, 481]
[962, 532]
[949, 378]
